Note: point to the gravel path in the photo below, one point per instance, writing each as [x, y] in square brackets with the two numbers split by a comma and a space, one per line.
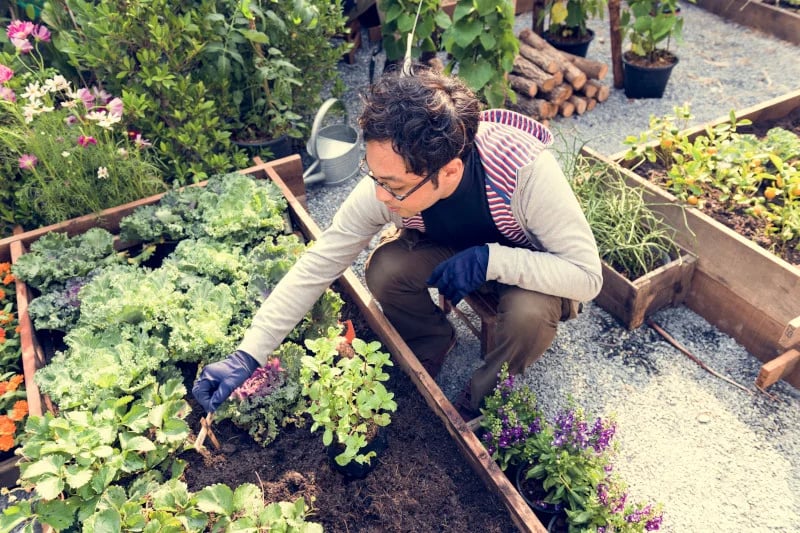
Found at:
[718, 458]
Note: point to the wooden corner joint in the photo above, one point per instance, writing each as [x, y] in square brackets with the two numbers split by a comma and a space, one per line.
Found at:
[777, 368]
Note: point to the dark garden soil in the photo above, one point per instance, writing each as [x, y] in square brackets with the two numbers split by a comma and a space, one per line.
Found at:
[421, 482]
[737, 219]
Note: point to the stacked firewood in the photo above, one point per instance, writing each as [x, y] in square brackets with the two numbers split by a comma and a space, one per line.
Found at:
[549, 82]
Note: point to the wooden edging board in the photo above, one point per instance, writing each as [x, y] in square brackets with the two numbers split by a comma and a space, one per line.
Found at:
[287, 174]
[772, 20]
[745, 291]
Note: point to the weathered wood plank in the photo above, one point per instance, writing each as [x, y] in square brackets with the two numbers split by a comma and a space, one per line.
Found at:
[776, 369]
[791, 334]
[772, 20]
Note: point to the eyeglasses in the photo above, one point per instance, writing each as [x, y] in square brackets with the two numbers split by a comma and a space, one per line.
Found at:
[399, 197]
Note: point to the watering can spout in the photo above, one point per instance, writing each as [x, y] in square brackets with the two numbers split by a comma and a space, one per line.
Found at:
[335, 149]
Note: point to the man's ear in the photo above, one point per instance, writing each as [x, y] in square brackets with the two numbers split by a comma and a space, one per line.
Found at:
[452, 171]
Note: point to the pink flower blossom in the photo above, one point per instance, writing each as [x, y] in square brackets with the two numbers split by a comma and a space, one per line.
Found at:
[70, 120]
[41, 33]
[85, 141]
[115, 107]
[23, 46]
[7, 94]
[27, 161]
[100, 95]
[19, 29]
[5, 73]
[86, 97]
[141, 142]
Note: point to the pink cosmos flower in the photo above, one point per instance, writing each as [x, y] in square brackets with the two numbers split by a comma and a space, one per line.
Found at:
[86, 97]
[23, 46]
[85, 141]
[19, 29]
[27, 161]
[115, 107]
[7, 94]
[140, 141]
[5, 73]
[70, 120]
[41, 33]
[100, 95]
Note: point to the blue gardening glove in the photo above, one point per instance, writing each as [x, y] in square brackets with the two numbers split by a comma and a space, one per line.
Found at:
[218, 380]
[462, 273]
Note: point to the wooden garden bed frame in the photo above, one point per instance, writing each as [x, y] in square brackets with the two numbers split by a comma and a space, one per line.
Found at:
[772, 20]
[745, 291]
[287, 173]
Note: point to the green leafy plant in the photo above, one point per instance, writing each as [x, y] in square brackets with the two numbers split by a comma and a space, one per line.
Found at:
[346, 394]
[650, 23]
[398, 21]
[167, 88]
[630, 236]
[568, 18]
[610, 508]
[68, 461]
[10, 354]
[756, 177]
[483, 45]
[64, 146]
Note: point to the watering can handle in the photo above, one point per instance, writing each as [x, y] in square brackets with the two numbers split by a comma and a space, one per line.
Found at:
[311, 146]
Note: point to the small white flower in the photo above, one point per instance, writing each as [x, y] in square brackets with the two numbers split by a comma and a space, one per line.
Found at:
[123, 152]
[109, 121]
[56, 83]
[33, 90]
[65, 153]
[97, 116]
[69, 104]
[102, 173]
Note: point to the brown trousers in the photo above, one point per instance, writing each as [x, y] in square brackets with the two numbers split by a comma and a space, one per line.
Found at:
[527, 321]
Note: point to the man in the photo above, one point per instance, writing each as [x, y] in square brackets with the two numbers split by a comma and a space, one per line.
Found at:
[478, 203]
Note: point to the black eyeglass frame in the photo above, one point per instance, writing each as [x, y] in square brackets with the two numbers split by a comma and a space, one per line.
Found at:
[364, 167]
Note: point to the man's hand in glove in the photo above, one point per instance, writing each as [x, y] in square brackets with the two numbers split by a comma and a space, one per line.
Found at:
[462, 273]
[218, 380]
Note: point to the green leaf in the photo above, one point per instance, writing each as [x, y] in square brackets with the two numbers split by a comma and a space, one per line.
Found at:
[216, 499]
[49, 487]
[107, 521]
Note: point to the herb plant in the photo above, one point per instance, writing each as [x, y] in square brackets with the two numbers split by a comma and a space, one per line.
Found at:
[650, 23]
[346, 395]
[629, 235]
[398, 21]
[568, 18]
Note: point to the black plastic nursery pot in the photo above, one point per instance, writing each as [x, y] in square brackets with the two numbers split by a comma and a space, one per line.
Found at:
[575, 46]
[646, 82]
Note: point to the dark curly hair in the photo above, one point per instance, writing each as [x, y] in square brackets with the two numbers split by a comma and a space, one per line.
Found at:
[430, 118]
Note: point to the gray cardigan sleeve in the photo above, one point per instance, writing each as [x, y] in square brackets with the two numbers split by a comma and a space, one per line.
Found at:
[567, 262]
[359, 218]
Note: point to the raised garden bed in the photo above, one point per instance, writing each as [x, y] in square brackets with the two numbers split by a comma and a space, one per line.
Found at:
[421, 452]
[775, 20]
[743, 289]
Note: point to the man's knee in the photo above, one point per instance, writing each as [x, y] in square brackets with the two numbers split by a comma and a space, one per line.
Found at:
[526, 313]
[384, 269]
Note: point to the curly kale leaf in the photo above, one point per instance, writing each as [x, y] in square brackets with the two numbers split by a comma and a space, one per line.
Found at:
[199, 328]
[174, 217]
[268, 263]
[243, 209]
[100, 365]
[56, 258]
[219, 262]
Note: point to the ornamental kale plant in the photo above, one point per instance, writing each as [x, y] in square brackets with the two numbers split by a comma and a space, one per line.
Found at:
[62, 144]
[510, 418]
[270, 399]
[56, 258]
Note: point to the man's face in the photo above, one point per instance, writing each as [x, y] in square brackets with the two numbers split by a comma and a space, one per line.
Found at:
[388, 170]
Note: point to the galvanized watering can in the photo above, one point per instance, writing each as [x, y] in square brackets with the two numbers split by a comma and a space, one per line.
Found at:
[335, 149]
